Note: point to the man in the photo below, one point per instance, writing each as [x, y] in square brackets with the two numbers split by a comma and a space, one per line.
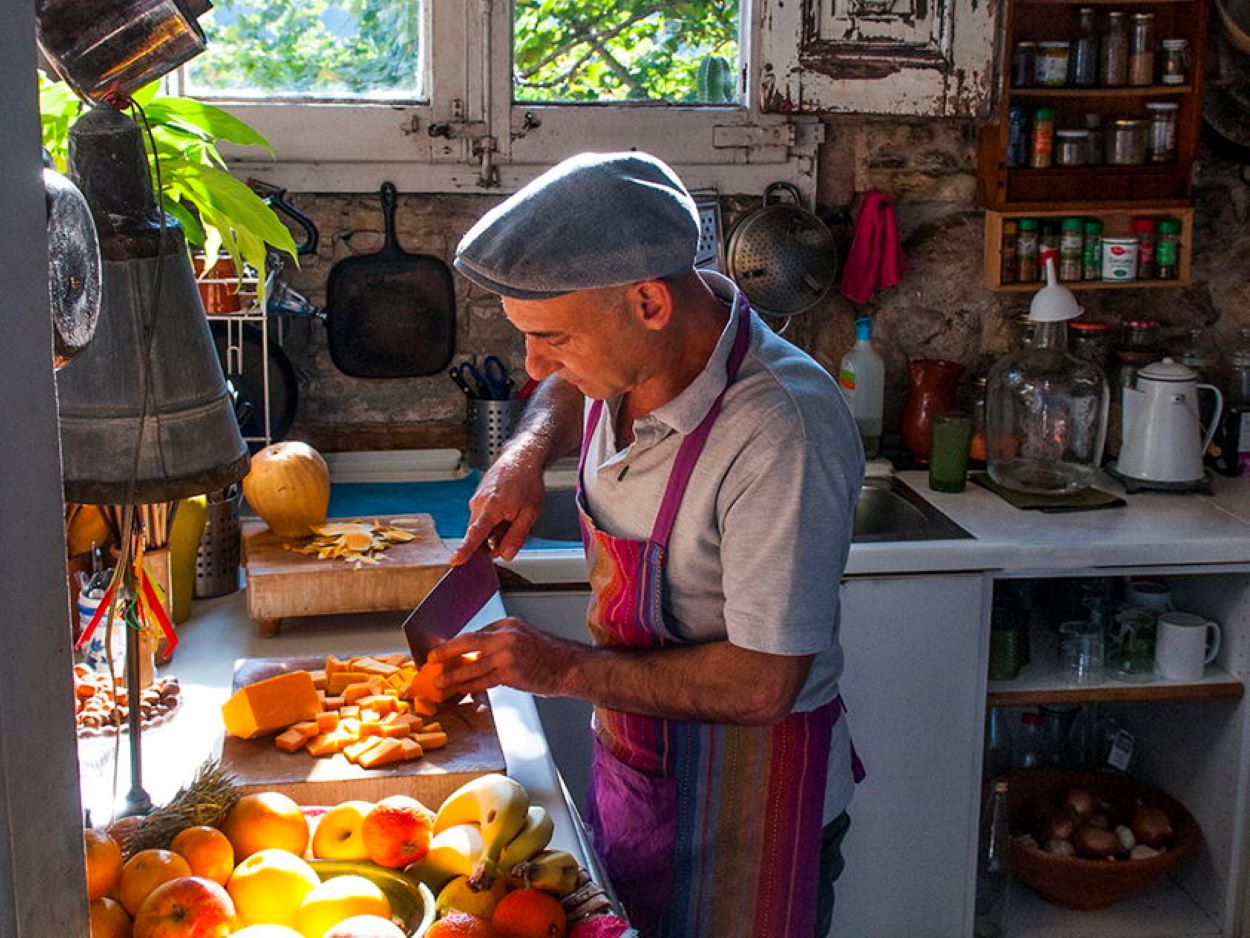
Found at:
[718, 475]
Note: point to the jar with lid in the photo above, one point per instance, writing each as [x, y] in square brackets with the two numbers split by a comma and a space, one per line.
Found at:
[1071, 244]
[1010, 259]
[1090, 341]
[1044, 138]
[1197, 354]
[1048, 240]
[1026, 250]
[1083, 50]
[1094, 140]
[1141, 52]
[1071, 147]
[1050, 67]
[1144, 231]
[1140, 336]
[1126, 143]
[1168, 249]
[1175, 61]
[1161, 147]
[1023, 56]
[1046, 409]
[1113, 61]
[1091, 250]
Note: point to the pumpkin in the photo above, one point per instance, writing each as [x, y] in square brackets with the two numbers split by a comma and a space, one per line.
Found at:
[288, 485]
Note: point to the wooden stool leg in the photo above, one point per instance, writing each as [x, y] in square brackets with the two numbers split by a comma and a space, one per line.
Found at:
[269, 627]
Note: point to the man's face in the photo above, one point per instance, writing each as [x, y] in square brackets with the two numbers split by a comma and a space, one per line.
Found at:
[589, 338]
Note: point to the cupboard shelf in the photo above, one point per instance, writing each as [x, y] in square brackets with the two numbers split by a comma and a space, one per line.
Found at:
[1045, 682]
[1120, 91]
[1162, 911]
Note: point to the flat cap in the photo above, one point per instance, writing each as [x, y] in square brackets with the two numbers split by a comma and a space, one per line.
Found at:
[594, 220]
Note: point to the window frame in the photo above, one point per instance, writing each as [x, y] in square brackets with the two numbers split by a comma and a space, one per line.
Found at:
[327, 146]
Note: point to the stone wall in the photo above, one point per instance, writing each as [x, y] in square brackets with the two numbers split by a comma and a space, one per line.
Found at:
[939, 310]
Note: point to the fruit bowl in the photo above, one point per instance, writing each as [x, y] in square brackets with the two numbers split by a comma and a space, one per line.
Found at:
[412, 903]
[1078, 883]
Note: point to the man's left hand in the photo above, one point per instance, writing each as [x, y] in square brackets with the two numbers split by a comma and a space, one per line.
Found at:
[508, 652]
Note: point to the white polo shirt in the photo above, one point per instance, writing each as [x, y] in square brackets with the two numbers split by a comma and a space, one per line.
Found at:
[764, 529]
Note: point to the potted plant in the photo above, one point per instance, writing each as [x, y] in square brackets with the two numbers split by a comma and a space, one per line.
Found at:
[216, 211]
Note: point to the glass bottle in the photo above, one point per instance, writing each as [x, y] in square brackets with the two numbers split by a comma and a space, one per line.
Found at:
[1141, 53]
[1113, 62]
[1046, 409]
[1083, 50]
[1055, 728]
[1091, 250]
[993, 866]
[1026, 749]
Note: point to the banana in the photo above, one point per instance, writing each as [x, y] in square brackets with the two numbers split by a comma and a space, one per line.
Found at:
[534, 836]
[552, 870]
[456, 851]
[496, 803]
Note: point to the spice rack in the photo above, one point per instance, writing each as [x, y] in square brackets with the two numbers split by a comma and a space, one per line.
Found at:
[1116, 224]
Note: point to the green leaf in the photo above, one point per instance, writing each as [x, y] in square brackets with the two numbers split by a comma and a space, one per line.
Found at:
[220, 192]
[213, 121]
[191, 226]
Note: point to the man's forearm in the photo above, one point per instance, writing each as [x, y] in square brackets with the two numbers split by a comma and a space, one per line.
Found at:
[552, 424]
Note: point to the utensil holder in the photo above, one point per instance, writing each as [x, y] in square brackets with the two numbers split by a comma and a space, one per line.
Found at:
[491, 423]
[217, 558]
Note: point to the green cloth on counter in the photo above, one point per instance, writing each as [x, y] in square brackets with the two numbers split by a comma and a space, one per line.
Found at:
[1084, 500]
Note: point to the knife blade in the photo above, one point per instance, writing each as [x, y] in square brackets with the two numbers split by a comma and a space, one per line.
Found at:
[456, 598]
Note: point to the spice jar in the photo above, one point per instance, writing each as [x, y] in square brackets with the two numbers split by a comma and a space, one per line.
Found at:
[1071, 147]
[1090, 341]
[1010, 259]
[1119, 258]
[1175, 62]
[1094, 140]
[1023, 57]
[1141, 52]
[1126, 143]
[1144, 231]
[1113, 63]
[1168, 249]
[1083, 51]
[1050, 68]
[1044, 138]
[1071, 244]
[1026, 250]
[1091, 250]
[1161, 147]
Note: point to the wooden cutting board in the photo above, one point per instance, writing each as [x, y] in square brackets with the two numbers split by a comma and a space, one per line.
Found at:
[282, 583]
[472, 749]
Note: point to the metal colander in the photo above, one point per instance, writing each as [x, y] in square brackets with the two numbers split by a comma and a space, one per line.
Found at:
[781, 255]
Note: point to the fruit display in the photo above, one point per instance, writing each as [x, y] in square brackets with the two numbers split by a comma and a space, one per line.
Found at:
[288, 485]
[102, 704]
[374, 710]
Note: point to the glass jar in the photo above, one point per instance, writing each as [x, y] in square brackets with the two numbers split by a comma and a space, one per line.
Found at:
[1144, 231]
[1091, 250]
[1010, 258]
[1050, 68]
[1046, 416]
[1019, 136]
[1090, 341]
[1071, 244]
[1056, 727]
[1161, 147]
[1113, 62]
[1023, 57]
[1083, 50]
[1168, 249]
[1175, 61]
[1141, 51]
[1071, 147]
[976, 407]
[1196, 353]
[1094, 142]
[1026, 250]
[1126, 143]
[1140, 336]
[1040, 153]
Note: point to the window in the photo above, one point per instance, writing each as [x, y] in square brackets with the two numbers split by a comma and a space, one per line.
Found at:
[447, 95]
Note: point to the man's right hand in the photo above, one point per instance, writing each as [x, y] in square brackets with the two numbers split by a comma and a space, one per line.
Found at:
[505, 506]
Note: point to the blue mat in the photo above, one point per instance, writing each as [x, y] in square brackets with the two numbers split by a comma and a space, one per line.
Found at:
[447, 502]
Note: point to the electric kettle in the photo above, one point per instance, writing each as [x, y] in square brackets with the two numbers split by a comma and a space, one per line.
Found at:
[1161, 437]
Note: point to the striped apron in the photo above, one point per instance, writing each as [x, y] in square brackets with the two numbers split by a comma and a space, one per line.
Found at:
[705, 829]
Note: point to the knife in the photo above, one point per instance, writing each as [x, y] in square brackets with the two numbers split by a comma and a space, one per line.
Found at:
[456, 598]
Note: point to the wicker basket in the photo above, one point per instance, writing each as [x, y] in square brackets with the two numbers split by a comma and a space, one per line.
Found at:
[1076, 883]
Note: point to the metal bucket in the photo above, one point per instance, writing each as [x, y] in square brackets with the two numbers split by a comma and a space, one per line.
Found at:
[491, 423]
[217, 558]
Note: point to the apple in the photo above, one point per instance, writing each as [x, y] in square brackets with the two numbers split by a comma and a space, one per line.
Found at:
[338, 833]
[186, 907]
[365, 926]
[397, 830]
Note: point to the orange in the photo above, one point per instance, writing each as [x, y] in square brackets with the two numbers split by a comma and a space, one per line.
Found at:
[104, 862]
[124, 828]
[109, 919]
[461, 925]
[146, 870]
[266, 820]
[529, 913]
[269, 886]
[207, 851]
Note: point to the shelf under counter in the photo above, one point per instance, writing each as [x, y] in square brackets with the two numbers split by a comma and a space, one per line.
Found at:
[1164, 910]
[1044, 681]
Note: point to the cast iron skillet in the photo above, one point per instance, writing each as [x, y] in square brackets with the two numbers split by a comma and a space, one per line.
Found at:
[390, 314]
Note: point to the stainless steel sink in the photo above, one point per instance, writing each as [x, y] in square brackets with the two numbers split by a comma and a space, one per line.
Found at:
[887, 510]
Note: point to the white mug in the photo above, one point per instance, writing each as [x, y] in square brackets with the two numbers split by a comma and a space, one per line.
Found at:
[1154, 595]
[1184, 645]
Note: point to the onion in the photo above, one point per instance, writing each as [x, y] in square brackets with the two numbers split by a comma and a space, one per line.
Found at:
[1054, 824]
[1095, 843]
[1142, 852]
[1060, 848]
[1151, 827]
[1126, 837]
[1080, 802]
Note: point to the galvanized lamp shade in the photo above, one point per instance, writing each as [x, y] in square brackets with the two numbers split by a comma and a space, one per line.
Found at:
[150, 379]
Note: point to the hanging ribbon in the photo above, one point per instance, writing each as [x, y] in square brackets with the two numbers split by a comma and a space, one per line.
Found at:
[105, 601]
[151, 608]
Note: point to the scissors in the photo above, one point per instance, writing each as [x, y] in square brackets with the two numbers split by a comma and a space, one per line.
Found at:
[489, 383]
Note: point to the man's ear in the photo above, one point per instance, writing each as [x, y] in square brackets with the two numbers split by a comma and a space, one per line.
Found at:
[652, 301]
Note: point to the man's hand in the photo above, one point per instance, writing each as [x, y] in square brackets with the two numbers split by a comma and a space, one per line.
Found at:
[508, 652]
[504, 507]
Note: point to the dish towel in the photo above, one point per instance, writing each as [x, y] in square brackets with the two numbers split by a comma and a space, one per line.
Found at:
[876, 259]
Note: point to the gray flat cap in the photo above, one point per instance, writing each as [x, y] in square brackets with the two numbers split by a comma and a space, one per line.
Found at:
[594, 220]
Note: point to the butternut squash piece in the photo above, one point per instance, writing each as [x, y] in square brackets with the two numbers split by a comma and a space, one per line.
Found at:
[387, 750]
[431, 740]
[271, 705]
[290, 741]
[326, 722]
[411, 749]
[353, 693]
[356, 750]
[394, 730]
[309, 728]
[423, 686]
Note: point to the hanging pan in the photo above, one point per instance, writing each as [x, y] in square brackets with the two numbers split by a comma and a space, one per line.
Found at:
[781, 255]
[390, 314]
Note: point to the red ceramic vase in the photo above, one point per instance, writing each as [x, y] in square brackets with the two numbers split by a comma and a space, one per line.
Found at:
[931, 386]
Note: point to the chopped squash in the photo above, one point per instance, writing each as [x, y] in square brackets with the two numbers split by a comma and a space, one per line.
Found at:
[327, 721]
[393, 730]
[352, 693]
[271, 705]
[422, 684]
[292, 740]
[411, 749]
[356, 750]
[387, 750]
[309, 728]
[431, 740]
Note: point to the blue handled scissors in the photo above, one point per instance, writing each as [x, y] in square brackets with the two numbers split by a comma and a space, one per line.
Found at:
[489, 383]
[497, 379]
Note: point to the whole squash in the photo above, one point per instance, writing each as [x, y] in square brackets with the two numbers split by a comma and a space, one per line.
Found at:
[289, 487]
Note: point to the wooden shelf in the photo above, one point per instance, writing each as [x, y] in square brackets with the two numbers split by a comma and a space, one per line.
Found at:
[1120, 91]
[1045, 681]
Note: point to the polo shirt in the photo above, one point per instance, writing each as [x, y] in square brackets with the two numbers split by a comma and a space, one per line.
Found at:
[764, 529]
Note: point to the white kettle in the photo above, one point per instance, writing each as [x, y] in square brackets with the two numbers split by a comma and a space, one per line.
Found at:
[1161, 437]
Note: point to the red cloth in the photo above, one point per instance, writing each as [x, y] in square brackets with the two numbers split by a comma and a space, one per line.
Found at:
[876, 259]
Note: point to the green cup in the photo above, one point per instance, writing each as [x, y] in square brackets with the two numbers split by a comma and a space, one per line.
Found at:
[948, 455]
[1005, 658]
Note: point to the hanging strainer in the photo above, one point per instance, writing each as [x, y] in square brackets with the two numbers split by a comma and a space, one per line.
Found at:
[781, 255]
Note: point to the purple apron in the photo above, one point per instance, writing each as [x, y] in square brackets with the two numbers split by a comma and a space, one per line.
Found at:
[705, 829]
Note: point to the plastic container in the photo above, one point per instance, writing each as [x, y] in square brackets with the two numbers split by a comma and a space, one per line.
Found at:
[861, 376]
[1119, 258]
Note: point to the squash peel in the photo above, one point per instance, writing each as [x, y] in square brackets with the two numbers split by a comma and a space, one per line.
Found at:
[355, 542]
